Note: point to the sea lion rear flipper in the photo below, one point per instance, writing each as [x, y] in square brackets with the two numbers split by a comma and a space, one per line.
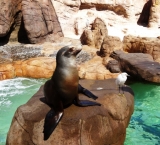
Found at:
[51, 121]
[85, 103]
[86, 92]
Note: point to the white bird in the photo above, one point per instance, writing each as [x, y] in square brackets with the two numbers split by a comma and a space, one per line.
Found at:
[120, 80]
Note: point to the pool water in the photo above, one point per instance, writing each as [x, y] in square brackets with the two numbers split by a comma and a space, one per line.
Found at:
[144, 127]
[13, 93]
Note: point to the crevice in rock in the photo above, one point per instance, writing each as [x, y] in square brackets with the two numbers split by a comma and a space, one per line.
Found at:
[24, 128]
[4, 40]
[118, 9]
[144, 16]
[22, 34]
[17, 31]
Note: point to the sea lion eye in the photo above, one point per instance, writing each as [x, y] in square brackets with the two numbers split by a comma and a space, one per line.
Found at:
[71, 49]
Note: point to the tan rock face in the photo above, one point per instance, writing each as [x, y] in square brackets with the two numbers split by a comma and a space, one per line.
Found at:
[40, 20]
[79, 15]
[110, 43]
[95, 36]
[147, 45]
[8, 12]
[36, 19]
[35, 67]
[154, 19]
[90, 64]
[32, 68]
[48, 20]
[94, 69]
[7, 71]
[105, 124]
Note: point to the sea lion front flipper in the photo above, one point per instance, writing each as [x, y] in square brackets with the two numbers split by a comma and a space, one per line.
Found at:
[86, 92]
[51, 121]
[85, 103]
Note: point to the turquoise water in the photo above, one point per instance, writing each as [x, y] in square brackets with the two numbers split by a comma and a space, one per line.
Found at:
[13, 93]
[144, 127]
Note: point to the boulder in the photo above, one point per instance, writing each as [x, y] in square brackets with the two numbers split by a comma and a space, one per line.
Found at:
[40, 20]
[113, 66]
[138, 65]
[105, 124]
[95, 36]
[9, 11]
[34, 20]
[110, 43]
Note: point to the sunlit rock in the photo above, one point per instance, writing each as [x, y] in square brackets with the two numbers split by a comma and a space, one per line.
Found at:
[95, 36]
[147, 45]
[138, 65]
[110, 43]
[94, 69]
[154, 18]
[105, 124]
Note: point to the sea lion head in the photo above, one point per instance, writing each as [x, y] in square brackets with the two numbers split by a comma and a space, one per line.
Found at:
[67, 55]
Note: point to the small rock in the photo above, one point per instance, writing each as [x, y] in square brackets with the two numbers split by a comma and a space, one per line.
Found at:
[113, 66]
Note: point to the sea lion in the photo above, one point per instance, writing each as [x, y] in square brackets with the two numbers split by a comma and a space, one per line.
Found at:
[63, 88]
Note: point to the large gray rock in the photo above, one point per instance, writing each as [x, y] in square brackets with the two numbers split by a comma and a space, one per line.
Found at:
[96, 125]
[139, 65]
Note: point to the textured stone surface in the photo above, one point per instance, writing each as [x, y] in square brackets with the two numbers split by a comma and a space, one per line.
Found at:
[7, 71]
[138, 65]
[110, 43]
[94, 69]
[147, 45]
[94, 125]
[117, 15]
[14, 52]
[40, 20]
[95, 36]
[9, 11]
[28, 59]
[113, 66]
[36, 21]
[41, 67]
[154, 18]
